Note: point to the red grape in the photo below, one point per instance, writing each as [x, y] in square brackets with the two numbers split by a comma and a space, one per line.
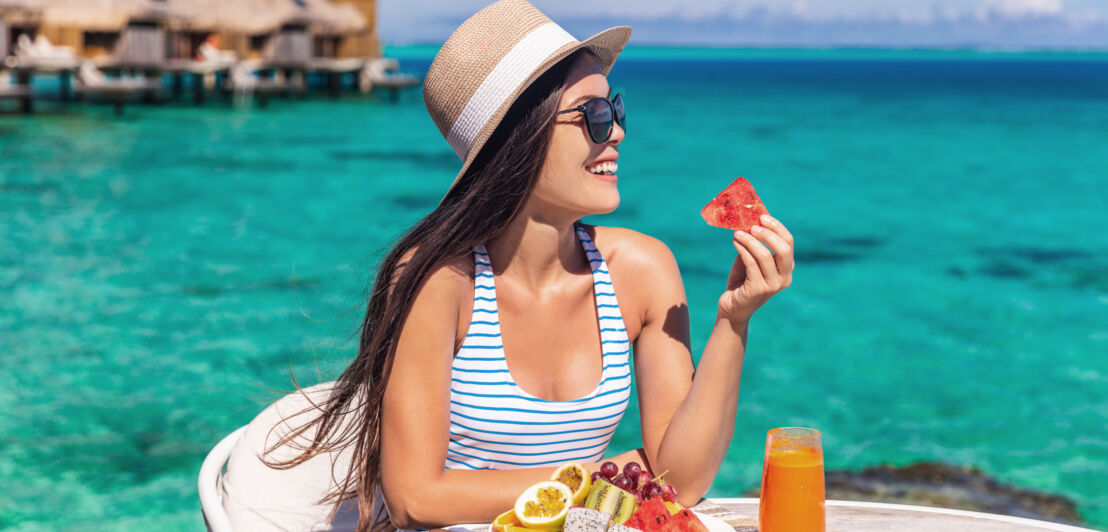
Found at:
[597, 474]
[622, 482]
[650, 490]
[632, 470]
[644, 477]
[669, 493]
[609, 470]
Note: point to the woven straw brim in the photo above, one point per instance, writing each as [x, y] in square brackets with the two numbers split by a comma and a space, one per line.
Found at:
[607, 46]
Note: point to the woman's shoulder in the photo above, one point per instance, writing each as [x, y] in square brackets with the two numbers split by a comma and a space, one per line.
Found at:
[643, 270]
[629, 248]
[445, 294]
[450, 274]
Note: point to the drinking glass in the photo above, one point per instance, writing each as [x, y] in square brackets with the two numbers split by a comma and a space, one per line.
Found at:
[792, 482]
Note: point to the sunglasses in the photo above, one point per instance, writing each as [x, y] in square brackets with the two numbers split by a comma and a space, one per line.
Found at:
[599, 114]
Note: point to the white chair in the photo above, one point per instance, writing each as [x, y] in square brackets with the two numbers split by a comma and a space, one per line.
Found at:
[248, 494]
[211, 473]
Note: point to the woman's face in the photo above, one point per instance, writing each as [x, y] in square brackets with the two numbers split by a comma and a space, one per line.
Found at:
[566, 186]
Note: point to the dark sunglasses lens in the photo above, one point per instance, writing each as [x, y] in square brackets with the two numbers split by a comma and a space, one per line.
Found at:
[599, 114]
[621, 116]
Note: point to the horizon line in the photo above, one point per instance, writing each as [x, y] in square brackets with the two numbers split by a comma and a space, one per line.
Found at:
[831, 47]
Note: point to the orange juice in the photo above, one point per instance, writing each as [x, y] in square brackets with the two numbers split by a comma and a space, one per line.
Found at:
[792, 491]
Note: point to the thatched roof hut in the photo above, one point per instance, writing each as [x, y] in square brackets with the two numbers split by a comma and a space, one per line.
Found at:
[255, 17]
[281, 31]
[107, 15]
[128, 32]
[246, 16]
[324, 16]
[135, 30]
[20, 12]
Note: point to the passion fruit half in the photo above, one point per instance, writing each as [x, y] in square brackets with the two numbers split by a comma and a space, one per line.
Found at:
[544, 505]
[576, 477]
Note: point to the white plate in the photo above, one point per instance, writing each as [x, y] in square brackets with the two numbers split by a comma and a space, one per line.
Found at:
[714, 524]
[470, 527]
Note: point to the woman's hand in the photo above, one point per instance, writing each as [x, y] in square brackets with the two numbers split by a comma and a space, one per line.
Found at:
[757, 273]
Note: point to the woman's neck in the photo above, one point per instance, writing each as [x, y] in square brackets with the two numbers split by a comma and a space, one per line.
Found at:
[533, 253]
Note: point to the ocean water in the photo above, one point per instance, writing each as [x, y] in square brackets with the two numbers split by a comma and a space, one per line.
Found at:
[162, 274]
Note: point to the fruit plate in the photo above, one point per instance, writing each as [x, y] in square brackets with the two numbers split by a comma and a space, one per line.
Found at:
[714, 524]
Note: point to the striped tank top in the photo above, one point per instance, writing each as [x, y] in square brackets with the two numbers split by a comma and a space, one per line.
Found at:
[495, 424]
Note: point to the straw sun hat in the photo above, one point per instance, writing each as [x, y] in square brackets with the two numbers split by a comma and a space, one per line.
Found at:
[492, 58]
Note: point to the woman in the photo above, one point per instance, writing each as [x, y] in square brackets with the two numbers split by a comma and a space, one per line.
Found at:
[502, 275]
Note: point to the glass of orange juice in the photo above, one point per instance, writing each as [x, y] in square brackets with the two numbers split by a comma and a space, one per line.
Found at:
[792, 482]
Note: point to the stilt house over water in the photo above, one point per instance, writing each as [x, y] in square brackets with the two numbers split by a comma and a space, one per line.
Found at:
[293, 32]
[146, 33]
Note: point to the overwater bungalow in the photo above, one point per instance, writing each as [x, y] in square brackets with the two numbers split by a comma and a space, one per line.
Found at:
[290, 33]
[128, 33]
[284, 41]
[140, 33]
[289, 39]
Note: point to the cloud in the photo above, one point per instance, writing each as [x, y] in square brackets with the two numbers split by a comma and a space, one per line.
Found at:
[1023, 8]
[905, 23]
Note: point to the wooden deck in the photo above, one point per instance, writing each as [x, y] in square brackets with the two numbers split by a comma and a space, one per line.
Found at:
[21, 71]
[147, 80]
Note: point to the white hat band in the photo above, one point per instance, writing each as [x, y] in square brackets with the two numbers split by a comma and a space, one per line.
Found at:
[510, 72]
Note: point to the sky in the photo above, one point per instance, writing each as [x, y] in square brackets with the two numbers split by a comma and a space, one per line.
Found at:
[981, 24]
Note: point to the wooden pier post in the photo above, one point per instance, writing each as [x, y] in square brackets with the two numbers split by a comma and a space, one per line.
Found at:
[23, 86]
[333, 84]
[65, 89]
[148, 75]
[198, 88]
[178, 85]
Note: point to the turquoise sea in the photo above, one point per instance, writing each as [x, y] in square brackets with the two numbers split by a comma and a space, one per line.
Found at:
[161, 274]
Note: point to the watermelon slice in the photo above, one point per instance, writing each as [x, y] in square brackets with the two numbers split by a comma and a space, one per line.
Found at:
[684, 521]
[651, 516]
[737, 207]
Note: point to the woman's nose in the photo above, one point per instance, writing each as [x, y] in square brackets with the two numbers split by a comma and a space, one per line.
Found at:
[617, 134]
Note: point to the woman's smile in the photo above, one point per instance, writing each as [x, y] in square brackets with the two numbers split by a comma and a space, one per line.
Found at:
[605, 170]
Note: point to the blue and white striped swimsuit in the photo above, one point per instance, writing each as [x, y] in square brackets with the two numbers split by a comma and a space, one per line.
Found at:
[495, 424]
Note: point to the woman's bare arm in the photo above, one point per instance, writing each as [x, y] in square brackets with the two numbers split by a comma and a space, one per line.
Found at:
[688, 418]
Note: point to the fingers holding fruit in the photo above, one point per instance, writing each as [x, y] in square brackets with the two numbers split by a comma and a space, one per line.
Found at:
[764, 265]
[775, 225]
[764, 270]
[774, 234]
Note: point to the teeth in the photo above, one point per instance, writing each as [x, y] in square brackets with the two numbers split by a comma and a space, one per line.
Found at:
[607, 167]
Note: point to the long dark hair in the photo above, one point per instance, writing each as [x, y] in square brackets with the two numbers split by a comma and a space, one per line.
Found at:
[486, 198]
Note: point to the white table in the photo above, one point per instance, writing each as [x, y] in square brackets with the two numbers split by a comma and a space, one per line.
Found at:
[848, 516]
